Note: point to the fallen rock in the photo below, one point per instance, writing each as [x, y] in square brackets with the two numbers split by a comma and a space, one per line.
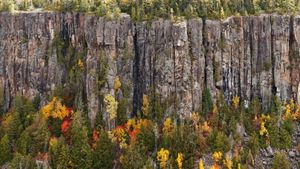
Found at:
[292, 154]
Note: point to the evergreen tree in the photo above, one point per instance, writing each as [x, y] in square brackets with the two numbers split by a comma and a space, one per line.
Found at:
[24, 143]
[103, 155]
[39, 134]
[15, 126]
[79, 148]
[5, 150]
[22, 162]
[207, 103]
[59, 154]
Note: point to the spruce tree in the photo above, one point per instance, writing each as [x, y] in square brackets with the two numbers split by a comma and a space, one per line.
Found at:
[79, 148]
[103, 155]
[207, 103]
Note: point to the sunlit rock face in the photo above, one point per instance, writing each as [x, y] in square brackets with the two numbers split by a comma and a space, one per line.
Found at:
[255, 56]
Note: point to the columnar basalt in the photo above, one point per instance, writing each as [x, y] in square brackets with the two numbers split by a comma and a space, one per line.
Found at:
[255, 56]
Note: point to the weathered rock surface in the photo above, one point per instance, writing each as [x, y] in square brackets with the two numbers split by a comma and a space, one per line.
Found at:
[254, 56]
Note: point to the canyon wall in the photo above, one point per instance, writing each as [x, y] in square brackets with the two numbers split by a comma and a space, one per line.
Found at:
[251, 56]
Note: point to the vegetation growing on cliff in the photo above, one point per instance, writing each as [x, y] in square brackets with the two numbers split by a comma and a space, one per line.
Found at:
[151, 9]
[59, 135]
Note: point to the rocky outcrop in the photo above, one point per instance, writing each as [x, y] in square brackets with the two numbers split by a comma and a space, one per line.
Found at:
[255, 56]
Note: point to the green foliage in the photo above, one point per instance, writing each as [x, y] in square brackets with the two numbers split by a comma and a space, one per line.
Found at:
[183, 140]
[22, 161]
[280, 161]
[146, 138]
[207, 103]
[15, 126]
[24, 143]
[133, 158]
[254, 143]
[7, 5]
[5, 150]
[79, 148]
[122, 112]
[218, 141]
[279, 137]
[103, 155]
[25, 109]
[59, 154]
[152, 9]
[40, 3]
[39, 134]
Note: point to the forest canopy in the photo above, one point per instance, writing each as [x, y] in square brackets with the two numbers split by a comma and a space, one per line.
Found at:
[151, 9]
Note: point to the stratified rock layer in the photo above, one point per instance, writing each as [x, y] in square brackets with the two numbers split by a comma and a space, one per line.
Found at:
[255, 56]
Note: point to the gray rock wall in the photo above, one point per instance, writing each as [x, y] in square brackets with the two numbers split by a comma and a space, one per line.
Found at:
[254, 56]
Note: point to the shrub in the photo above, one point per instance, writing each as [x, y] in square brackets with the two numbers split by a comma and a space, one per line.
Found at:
[254, 143]
[218, 141]
[7, 5]
[280, 161]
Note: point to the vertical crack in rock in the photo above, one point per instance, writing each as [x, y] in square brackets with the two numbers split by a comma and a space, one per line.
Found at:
[136, 72]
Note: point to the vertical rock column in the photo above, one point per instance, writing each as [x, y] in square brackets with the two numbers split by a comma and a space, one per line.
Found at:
[280, 52]
[212, 33]
[196, 52]
[295, 56]
[182, 71]
[232, 44]
[262, 58]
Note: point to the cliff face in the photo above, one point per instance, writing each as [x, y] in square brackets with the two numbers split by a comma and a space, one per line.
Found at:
[173, 62]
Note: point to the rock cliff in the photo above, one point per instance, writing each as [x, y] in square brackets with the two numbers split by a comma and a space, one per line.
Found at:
[251, 56]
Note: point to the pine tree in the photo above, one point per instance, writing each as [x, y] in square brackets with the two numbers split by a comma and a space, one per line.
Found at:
[5, 150]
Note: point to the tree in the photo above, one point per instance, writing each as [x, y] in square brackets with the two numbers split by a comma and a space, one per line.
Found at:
[24, 143]
[5, 150]
[79, 148]
[39, 135]
[59, 153]
[22, 162]
[207, 103]
[103, 155]
[15, 126]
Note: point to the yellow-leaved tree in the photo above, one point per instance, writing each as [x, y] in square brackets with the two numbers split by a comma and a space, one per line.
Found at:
[179, 160]
[55, 109]
[163, 157]
[201, 165]
[145, 106]
[111, 106]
